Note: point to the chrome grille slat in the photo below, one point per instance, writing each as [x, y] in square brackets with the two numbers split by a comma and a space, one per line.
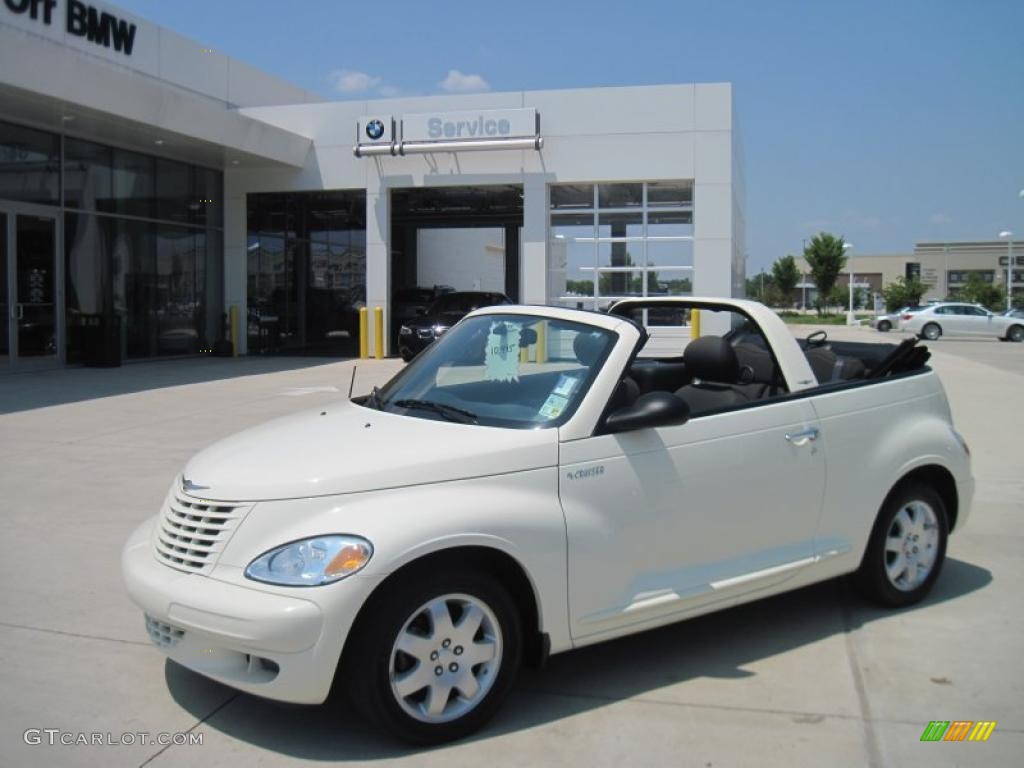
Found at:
[193, 532]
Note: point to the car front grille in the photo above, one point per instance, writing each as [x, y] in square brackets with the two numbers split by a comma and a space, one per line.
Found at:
[425, 333]
[193, 532]
[163, 635]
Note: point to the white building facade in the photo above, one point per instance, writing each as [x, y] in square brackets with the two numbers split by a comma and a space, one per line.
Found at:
[148, 179]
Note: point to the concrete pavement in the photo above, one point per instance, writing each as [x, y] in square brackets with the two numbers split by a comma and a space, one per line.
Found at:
[811, 677]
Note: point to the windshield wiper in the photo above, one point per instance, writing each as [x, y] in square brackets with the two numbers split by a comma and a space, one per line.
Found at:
[449, 412]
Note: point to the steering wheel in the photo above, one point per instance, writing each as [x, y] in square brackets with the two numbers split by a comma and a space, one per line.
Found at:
[816, 339]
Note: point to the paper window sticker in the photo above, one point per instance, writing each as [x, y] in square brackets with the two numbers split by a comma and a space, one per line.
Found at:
[566, 385]
[501, 358]
[553, 407]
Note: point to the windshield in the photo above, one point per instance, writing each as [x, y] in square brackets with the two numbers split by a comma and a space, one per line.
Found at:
[515, 371]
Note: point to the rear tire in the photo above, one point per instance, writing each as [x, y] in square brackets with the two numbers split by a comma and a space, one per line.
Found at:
[907, 547]
[931, 331]
[415, 627]
[1016, 333]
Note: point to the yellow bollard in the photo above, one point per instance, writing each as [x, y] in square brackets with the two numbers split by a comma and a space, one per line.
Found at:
[542, 342]
[363, 341]
[694, 323]
[233, 319]
[378, 333]
[524, 354]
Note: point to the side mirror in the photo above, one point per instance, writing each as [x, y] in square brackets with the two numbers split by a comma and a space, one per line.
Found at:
[654, 409]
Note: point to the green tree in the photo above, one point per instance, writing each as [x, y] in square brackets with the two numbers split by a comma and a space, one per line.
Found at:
[826, 258]
[903, 293]
[837, 297]
[786, 275]
[977, 291]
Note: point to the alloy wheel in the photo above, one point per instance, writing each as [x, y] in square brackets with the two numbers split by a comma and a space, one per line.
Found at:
[911, 546]
[446, 658]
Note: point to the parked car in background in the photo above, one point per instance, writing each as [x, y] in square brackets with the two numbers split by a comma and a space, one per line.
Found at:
[417, 333]
[1016, 312]
[525, 487]
[958, 319]
[886, 323]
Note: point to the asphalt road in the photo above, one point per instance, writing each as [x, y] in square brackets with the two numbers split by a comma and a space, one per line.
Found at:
[809, 678]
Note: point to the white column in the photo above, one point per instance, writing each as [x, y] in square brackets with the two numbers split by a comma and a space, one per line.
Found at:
[378, 256]
[533, 268]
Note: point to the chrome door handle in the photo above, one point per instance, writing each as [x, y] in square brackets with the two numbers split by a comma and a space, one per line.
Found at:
[803, 438]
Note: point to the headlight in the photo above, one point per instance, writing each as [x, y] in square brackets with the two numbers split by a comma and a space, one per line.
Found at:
[439, 329]
[311, 562]
[405, 330]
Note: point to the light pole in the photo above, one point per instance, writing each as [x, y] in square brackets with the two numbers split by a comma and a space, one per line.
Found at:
[849, 315]
[1009, 265]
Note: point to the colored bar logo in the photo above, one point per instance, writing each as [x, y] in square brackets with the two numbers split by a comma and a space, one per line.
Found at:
[958, 730]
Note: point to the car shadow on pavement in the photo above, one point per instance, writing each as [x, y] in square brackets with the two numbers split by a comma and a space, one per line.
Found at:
[717, 645]
[42, 389]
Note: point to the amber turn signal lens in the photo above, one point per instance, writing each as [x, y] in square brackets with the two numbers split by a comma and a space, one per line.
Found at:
[350, 558]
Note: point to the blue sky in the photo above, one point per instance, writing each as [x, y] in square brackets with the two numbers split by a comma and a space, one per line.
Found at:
[886, 122]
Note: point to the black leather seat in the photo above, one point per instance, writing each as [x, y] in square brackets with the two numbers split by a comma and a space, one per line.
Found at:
[828, 366]
[712, 362]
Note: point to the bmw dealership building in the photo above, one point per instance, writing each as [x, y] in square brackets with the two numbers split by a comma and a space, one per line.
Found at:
[153, 187]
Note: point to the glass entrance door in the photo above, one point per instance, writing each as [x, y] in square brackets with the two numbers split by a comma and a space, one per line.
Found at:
[28, 286]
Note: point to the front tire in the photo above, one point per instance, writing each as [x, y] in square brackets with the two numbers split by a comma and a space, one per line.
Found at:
[435, 655]
[931, 332]
[1016, 333]
[885, 326]
[907, 547]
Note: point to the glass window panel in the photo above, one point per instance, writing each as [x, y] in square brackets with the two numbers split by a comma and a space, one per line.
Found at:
[568, 196]
[177, 331]
[620, 284]
[670, 253]
[4, 309]
[29, 165]
[669, 193]
[209, 196]
[175, 194]
[134, 184]
[134, 281]
[620, 195]
[87, 249]
[620, 225]
[669, 282]
[571, 262]
[621, 254]
[87, 176]
[670, 224]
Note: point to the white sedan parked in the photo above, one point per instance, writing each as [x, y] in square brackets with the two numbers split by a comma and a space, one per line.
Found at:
[527, 486]
[957, 319]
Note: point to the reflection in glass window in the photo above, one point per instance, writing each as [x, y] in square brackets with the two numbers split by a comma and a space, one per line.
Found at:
[87, 176]
[134, 184]
[175, 197]
[29, 165]
[568, 196]
[669, 193]
[620, 195]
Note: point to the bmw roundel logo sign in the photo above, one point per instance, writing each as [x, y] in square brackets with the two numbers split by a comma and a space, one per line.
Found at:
[375, 129]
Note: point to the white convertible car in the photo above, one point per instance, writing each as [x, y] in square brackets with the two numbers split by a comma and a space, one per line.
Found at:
[531, 484]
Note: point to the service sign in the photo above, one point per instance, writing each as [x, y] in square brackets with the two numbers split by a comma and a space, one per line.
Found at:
[376, 129]
[471, 125]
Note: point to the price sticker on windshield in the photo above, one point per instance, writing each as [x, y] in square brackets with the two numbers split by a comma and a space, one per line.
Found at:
[501, 358]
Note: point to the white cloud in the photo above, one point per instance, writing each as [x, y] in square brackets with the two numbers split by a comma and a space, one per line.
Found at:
[940, 218]
[389, 91]
[458, 82]
[353, 81]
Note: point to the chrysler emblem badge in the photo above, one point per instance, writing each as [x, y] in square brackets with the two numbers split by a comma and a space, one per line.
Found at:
[187, 485]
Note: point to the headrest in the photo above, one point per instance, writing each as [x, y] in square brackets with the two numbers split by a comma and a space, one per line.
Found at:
[588, 347]
[712, 358]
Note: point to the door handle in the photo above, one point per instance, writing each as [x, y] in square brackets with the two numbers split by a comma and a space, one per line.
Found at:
[803, 438]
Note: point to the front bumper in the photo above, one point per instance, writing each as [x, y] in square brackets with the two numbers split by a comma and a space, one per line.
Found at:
[279, 643]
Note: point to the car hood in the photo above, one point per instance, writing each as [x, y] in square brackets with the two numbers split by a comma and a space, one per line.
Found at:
[346, 448]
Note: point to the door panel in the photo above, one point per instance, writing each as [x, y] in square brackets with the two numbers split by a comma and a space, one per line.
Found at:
[661, 521]
[35, 285]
